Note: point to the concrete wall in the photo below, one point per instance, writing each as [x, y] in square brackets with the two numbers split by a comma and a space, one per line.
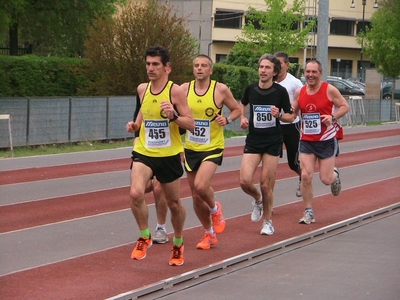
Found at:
[373, 81]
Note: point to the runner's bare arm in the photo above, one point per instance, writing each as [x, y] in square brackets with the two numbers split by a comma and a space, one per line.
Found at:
[134, 126]
[244, 122]
[338, 100]
[229, 101]
[179, 100]
[295, 103]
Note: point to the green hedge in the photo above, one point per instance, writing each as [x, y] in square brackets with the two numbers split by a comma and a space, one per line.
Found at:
[237, 78]
[34, 76]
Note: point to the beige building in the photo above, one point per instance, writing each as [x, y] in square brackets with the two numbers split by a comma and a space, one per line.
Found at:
[216, 24]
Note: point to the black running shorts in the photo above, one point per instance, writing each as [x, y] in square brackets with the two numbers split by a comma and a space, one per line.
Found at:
[321, 149]
[166, 169]
[193, 159]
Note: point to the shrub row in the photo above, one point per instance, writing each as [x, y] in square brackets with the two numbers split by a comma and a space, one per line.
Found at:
[34, 76]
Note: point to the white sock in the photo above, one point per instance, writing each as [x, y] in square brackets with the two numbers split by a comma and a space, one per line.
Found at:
[210, 230]
[213, 210]
[162, 226]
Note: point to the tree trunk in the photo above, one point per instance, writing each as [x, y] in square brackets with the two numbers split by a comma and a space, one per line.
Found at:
[393, 86]
[13, 31]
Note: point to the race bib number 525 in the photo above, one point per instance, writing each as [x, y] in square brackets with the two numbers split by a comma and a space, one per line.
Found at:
[311, 123]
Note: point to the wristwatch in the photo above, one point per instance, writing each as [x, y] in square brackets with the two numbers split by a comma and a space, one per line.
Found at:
[334, 120]
[228, 120]
[175, 116]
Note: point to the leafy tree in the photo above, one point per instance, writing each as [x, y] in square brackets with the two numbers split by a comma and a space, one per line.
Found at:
[117, 45]
[382, 41]
[275, 29]
[52, 27]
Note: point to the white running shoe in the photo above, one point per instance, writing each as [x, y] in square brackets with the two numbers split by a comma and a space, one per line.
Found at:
[336, 187]
[298, 190]
[257, 212]
[268, 228]
[307, 218]
[160, 236]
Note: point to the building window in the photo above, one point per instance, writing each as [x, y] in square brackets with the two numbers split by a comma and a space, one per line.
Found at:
[342, 27]
[295, 26]
[228, 19]
[314, 30]
[255, 23]
[220, 57]
[343, 68]
[360, 26]
[366, 65]
[295, 68]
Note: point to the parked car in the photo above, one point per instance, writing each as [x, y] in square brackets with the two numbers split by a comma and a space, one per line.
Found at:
[357, 82]
[304, 81]
[345, 87]
[387, 91]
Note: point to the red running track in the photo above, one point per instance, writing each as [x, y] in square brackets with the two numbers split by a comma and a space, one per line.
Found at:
[29, 214]
[111, 272]
[34, 174]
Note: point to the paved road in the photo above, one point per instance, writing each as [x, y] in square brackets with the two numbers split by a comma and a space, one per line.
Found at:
[52, 225]
[361, 263]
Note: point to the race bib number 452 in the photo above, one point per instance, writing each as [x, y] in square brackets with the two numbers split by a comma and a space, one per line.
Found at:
[201, 133]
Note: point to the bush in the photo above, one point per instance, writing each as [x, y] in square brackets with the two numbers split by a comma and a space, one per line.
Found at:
[34, 76]
[236, 78]
[117, 45]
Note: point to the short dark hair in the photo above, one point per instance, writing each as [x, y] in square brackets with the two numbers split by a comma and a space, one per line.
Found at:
[275, 61]
[205, 56]
[158, 51]
[284, 55]
[314, 61]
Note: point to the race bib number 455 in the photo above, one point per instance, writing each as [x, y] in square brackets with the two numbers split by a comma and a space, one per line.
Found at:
[157, 133]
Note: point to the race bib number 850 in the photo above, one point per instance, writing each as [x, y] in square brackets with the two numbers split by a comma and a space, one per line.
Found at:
[262, 116]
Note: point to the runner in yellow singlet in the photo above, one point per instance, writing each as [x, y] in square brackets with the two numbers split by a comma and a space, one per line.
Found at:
[163, 110]
[205, 144]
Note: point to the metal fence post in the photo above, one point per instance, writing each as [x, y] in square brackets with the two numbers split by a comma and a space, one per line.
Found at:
[397, 111]
[8, 118]
[354, 103]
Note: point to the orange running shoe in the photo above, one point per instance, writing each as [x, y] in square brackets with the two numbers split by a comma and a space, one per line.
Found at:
[218, 219]
[207, 241]
[177, 256]
[141, 247]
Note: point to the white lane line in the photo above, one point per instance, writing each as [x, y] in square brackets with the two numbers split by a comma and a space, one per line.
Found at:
[126, 244]
[188, 198]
